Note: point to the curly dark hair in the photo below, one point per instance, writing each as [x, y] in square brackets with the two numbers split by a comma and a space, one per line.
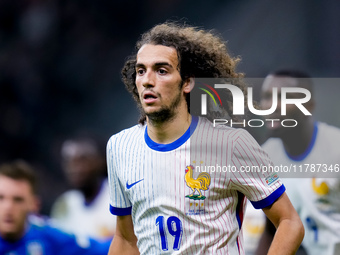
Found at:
[201, 54]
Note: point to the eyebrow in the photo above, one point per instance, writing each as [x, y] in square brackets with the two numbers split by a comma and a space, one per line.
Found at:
[156, 64]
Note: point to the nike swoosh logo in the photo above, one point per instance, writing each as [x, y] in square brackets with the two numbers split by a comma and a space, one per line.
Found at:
[129, 186]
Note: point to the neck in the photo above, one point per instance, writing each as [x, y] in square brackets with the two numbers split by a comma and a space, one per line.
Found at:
[166, 132]
[90, 192]
[13, 237]
[297, 141]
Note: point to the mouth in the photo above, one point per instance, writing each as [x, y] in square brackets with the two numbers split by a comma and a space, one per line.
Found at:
[8, 221]
[149, 97]
[273, 125]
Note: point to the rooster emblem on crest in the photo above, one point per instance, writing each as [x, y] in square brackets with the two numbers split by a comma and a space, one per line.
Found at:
[202, 182]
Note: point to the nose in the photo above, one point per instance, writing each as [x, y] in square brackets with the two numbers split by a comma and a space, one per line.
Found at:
[7, 205]
[148, 79]
[271, 100]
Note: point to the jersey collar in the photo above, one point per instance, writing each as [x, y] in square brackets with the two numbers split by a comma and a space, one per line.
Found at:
[309, 148]
[174, 145]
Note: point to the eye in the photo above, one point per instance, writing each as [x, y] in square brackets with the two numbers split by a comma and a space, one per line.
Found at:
[18, 199]
[140, 71]
[162, 71]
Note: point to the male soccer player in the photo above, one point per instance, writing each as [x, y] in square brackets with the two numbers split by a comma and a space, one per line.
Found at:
[18, 234]
[83, 209]
[310, 144]
[163, 205]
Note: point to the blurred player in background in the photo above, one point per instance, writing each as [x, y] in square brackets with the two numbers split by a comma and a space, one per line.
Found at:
[154, 189]
[316, 199]
[84, 210]
[22, 235]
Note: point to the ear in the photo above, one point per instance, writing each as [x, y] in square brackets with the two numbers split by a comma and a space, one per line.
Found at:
[188, 85]
[310, 105]
[35, 205]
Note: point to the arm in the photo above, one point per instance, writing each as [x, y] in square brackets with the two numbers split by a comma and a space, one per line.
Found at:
[289, 228]
[124, 241]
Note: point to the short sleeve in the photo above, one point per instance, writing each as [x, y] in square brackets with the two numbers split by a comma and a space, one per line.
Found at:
[119, 202]
[254, 177]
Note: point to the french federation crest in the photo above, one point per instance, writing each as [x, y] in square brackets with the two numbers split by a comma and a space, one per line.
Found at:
[201, 183]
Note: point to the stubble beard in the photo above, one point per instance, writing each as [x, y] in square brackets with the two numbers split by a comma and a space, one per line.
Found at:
[166, 113]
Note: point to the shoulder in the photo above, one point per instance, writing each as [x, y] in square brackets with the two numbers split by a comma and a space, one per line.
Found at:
[327, 142]
[271, 143]
[221, 131]
[328, 131]
[43, 228]
[70, 196]
[41, 238]
[48, 231]
[236, 142]
[43, 231]
[126, 135]
[66, 203]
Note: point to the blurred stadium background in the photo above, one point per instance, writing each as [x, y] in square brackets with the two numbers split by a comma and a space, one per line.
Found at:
[60, 62]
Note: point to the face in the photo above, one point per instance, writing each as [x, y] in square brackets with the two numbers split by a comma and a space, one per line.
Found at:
[81, 163]
[16, 202]
[159, 82]
[292, 112]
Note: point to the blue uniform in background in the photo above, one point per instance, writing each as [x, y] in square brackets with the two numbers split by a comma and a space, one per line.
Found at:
[46, 240]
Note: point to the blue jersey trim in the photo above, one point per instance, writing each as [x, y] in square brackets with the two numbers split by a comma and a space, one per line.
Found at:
[174, 145]
[309, 148]
[270, 199]
[120, 211]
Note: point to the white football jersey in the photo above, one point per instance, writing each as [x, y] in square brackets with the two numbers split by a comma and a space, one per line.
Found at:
[188, 197]
[316, 199]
